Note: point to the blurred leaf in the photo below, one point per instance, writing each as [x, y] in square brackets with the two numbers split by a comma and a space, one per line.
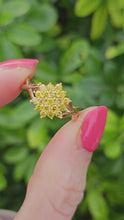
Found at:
[112, 121]
[23, 35]
[22, 114]
[122, 123]
[120, 101]
[42, 18]
[107, 98]
[16, 154]
[74, 56]
[121, 4]
[25, 168]
[0, 4]
[5, 19]
[74, 78]
[115, 12]
[93, 85]
[21, 168]
[3, 169]
[47, 44]
[15, 8]
[97, 205]
[19, 117]
[9, 50]
[110, 72]
[10, 138]
[112, 149]
[99, 21]
[86, 7]
[45, 73]
[93, 62]
[121, 181]
[115, 51]
[37, 133]
[111, 131]
[3, 182]
[32, 162]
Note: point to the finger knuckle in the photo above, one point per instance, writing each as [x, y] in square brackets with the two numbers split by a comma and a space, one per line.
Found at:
[66, 201]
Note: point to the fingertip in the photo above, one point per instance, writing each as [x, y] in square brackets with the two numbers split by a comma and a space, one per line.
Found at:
[19, 62]
[13, 74]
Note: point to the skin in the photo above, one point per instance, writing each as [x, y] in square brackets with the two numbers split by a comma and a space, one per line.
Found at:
[58, 182]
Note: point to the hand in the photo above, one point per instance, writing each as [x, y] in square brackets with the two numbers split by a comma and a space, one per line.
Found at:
[58, 182]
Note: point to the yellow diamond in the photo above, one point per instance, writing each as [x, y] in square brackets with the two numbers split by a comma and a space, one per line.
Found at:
[42, 87]
[38, 94]
[58, 86]
[42, 114]
[50, 114]
[58, 114]
[50, 86]
[49, 101]
[62, 94]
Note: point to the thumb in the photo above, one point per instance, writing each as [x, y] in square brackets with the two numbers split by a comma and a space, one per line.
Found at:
[58, 182]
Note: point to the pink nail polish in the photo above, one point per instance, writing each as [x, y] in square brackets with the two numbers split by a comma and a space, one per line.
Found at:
[92, 128]
[19, 62]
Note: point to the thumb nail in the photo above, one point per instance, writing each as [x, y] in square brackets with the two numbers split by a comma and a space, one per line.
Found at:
[92, 129]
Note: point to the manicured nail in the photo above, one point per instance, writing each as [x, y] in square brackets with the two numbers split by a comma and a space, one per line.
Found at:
[13, 74]
[19, 62]
[92, 129]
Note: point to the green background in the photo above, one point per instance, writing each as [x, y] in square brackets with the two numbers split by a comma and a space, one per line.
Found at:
[81, 44]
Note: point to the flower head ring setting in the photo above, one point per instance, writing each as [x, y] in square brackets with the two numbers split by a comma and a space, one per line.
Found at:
[51, 100]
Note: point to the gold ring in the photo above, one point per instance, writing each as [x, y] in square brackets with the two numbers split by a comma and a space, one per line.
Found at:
[51, 100]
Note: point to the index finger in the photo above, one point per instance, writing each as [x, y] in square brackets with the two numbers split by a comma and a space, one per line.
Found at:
[13, 74]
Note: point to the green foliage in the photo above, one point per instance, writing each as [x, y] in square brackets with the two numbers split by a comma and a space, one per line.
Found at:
[39, 18]
[101, 8]
[15, 8]
[84, 8]
[81, 44]
[97, 205]
[20, 34]
[99, 15]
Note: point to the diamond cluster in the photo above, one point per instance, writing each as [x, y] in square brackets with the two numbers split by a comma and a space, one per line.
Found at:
[50, 100]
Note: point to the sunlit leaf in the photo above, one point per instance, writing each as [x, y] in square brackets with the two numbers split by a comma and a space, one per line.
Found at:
[115, 12]
[99, 21]
[5, 19]
[113, 149]
[97, 205]
[86, 7]
[115, 51]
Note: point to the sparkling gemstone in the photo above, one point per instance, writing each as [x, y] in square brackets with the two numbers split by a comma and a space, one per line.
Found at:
[42, 86]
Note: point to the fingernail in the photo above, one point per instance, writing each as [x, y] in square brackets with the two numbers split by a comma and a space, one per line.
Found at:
[19, 62]
[13, 74]
[92, 129]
